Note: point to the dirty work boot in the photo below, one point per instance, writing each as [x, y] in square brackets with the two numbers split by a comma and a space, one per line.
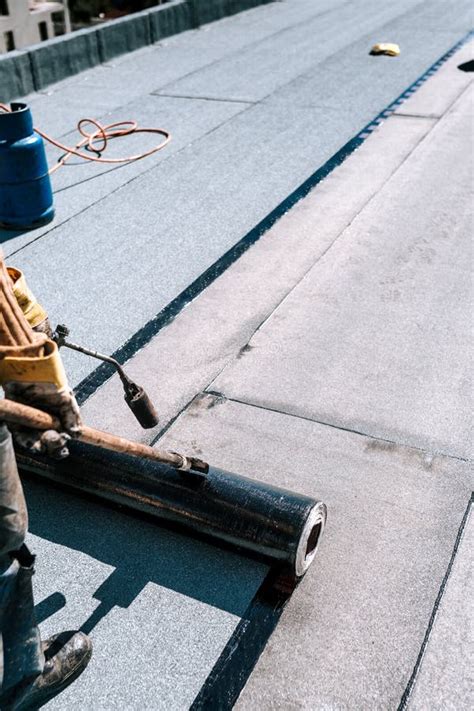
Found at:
[66, 656]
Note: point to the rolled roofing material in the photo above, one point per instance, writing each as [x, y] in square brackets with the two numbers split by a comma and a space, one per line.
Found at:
[279, 526]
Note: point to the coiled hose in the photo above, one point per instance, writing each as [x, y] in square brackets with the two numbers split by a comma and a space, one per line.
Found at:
[103, 134]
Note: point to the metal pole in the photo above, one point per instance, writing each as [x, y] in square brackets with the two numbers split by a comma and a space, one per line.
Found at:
[67, 16]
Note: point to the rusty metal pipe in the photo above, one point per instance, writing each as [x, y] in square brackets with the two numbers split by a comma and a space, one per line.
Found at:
[25, 416]
[279, 526]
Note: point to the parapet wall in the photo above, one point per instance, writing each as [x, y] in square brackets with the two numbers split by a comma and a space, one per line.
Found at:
[32, 69]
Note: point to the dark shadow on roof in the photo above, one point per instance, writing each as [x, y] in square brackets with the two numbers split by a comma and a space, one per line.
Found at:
[141, 552]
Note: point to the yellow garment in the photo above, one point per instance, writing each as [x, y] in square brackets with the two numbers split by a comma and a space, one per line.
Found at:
[388, 48]
[32, 310]
[47, 368]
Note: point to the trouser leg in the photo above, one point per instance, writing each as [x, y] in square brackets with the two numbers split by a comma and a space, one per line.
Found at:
[13, 514]
[21, 658]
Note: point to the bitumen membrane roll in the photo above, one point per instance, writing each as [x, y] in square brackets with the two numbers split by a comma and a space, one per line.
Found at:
[275, 524]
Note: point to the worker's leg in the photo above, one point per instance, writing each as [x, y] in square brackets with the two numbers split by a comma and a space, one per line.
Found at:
[22, 659]
[28, 678]
[13, 515]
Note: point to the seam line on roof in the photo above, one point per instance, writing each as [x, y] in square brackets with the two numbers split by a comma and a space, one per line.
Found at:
[47, 90]
[164, 159]
[122, 185]
[411, 683]
[163, 430]
[342, 49]
[116, 61]
[314, 66]
[158, 94]
[276, 306]
[333, 425]
[155, 92]
[249, 102]
[432, 117]
[332, 244]
[259, 41]
[264, 99]
[140, 338]
[143, 336]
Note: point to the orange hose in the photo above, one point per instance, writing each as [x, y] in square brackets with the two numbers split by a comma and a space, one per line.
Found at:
[103, 133]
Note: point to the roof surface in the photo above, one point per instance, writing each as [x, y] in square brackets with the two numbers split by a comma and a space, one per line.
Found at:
[255, 103]
[330, 358]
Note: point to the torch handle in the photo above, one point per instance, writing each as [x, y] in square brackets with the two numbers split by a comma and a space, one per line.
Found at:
[25, 416]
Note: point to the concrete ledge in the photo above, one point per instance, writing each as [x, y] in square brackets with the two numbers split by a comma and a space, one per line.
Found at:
[235, 6]
[170, 19]
[46, 63]
[62, 57]
[16, 78]
[205, 11]
[123, 35]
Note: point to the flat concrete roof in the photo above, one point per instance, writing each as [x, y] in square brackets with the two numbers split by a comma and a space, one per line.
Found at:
[330, 358]
[256, 103]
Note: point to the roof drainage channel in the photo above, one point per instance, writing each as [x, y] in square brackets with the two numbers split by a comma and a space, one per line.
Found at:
[90, 384]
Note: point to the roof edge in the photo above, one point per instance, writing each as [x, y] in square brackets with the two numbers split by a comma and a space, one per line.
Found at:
[38, 66]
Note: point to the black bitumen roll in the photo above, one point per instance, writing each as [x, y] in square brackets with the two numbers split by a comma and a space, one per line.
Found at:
[277, 525]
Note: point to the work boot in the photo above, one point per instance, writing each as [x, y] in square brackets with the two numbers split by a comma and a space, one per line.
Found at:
[66, 656]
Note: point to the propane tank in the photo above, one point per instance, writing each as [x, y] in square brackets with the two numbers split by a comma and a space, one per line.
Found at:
[26, 198]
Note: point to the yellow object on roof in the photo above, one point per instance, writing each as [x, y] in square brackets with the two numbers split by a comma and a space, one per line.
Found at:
[388, 48]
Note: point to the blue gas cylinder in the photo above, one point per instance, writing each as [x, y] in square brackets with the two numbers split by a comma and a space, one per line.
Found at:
[26, 198]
